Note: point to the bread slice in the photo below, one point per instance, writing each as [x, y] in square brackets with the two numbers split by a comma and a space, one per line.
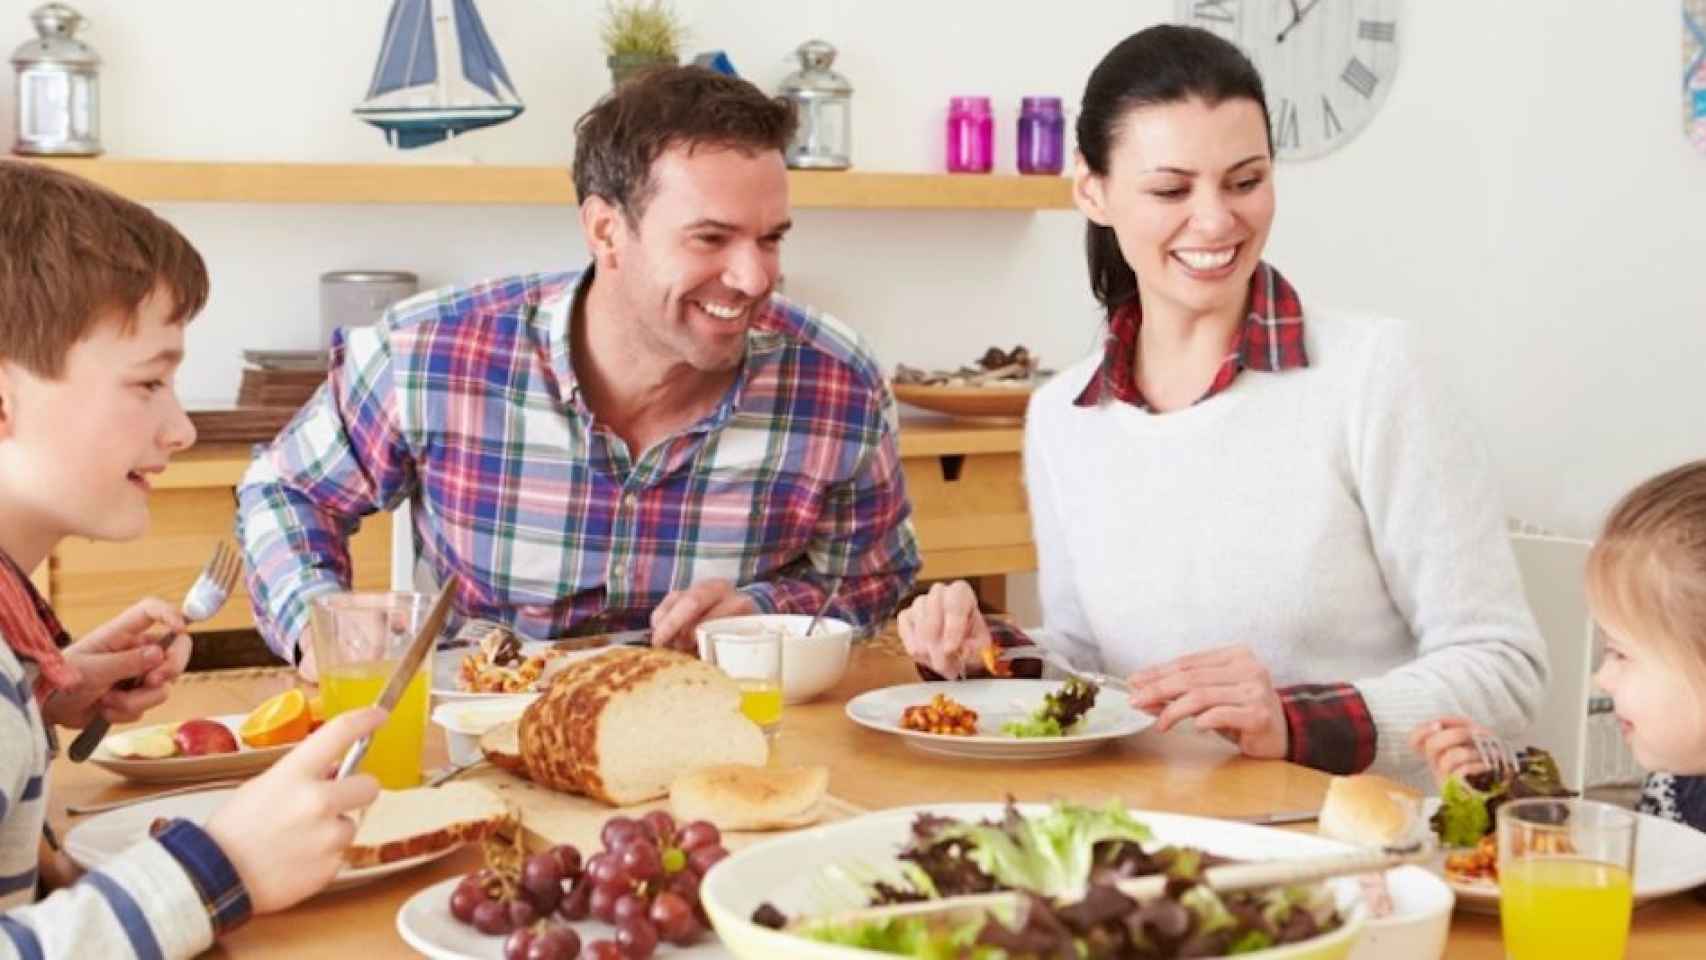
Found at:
[619, 727]
[410, 823]
[737, 797]
[501, 745]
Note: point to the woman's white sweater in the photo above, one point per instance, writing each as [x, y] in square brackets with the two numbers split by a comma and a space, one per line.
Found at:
[1339, 519]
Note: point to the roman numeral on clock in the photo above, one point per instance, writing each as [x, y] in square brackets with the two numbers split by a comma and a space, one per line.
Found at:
[1329, 119]
[1360, 77]
[1286, 132]
[1222, 11]
[1380, 31]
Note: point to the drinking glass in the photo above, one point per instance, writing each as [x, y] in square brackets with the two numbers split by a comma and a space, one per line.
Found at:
[359, 639]
[1565, 869]
[752, 657]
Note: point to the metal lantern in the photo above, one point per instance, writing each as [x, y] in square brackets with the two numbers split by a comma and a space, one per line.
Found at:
[58, 90]
[823, 102]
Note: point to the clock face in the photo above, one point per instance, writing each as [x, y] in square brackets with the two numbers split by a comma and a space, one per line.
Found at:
[1326, 64]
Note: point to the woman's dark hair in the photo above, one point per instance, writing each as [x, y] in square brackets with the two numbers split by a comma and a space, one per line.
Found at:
[618, 140]
[1163, 64]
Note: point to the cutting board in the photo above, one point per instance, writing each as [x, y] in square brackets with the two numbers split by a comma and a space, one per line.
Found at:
[549, 818]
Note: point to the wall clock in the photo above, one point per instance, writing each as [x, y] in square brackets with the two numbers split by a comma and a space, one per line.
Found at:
[1326, 64]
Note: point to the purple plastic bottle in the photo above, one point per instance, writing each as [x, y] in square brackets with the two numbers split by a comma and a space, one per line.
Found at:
[1042, 130]
[971, 135]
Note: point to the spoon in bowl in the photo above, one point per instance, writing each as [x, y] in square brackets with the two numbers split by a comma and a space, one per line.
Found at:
[828, 598]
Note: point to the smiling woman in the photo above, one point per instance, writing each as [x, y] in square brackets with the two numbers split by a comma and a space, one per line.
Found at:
[1264, 515]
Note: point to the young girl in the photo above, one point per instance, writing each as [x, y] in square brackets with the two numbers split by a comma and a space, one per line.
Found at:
[1646, 586]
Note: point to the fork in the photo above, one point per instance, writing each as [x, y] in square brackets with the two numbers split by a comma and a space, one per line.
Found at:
[212, 587]
[1496, 755]
[1033, 651]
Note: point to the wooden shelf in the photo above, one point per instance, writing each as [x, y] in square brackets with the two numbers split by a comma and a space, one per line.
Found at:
[156, 181]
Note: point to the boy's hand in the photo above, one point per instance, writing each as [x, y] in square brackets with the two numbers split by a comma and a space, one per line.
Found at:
[943, 629]
[123, 648]
[285, 831]
[1447, 744]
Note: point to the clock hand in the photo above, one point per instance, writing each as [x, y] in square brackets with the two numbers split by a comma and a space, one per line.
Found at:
[1297, 16]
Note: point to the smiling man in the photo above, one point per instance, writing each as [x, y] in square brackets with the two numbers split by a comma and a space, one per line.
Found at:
[655, 440]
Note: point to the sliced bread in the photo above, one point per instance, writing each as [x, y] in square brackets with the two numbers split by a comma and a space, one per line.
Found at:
[410, 823]
[620, 727]
[738, 797]
[501, 745]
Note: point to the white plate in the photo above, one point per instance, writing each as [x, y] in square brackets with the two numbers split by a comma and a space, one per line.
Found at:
[99, 838]
[788, 873]
[447, 663]
[1670, 857]
[996, 702]
[245, 762]
[425, 924]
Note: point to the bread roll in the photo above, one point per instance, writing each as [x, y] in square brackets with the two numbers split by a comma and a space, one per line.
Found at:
[619, 727]
[739, 797]
[1368, 810]
[409, 823]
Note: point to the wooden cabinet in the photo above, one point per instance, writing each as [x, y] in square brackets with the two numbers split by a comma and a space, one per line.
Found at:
[964, 480]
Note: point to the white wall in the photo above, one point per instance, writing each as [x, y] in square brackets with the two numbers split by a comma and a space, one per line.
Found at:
[1525, 194]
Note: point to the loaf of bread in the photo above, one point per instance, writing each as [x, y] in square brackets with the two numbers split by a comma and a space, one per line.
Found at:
[621, 726]
[410, 823]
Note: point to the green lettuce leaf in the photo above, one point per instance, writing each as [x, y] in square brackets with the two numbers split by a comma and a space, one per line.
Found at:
[1462, 819]
[1051, 853]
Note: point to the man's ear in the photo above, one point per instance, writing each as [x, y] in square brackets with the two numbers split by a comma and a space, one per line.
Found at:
[602, 223]
[1087, 191]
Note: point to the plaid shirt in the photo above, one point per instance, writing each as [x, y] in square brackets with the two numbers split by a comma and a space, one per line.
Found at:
[464, 400]
[1329, 725]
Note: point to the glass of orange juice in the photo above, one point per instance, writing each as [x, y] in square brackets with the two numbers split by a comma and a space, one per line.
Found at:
[359, 638]
[1565, 878]
[753, 659]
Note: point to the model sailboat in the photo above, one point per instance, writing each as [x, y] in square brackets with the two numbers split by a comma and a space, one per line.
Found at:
[438, 75]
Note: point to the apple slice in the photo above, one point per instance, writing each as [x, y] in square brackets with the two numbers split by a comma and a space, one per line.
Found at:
[149, 743]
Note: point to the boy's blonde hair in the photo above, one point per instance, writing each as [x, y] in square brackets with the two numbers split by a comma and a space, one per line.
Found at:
[72, 253]
[1647, 573]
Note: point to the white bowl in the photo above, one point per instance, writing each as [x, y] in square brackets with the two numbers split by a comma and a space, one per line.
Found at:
[1418, 924]
[465, 721]
[810, 665]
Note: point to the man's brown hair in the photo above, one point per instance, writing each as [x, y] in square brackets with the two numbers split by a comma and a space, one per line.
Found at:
[618, 140]
[1647, 572]
[71, 253]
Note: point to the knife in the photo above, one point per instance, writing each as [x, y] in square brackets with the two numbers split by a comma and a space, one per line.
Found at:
[598, 641]
[406, 669]
[1277, 817]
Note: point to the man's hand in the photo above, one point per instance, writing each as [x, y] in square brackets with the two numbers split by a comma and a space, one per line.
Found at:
[674, 619]
[125, 647]
[1228, 691]
[285, 830]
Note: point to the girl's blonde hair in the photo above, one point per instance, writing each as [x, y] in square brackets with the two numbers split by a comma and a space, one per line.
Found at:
[1647, 573]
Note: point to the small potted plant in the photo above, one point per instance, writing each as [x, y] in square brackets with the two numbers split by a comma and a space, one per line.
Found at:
[640, 35]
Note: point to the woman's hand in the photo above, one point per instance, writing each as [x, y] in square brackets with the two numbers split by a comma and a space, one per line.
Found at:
[1227, 690]
[285, 831]
[1448, 745]
[944, 630]
[123, 648]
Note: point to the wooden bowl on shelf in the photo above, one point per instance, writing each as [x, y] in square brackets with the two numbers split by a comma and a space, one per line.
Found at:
[1004, 403]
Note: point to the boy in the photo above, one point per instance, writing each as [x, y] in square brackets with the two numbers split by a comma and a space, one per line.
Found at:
[94, 294]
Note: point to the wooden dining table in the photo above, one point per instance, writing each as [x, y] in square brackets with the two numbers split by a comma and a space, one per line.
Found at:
[1175, 772]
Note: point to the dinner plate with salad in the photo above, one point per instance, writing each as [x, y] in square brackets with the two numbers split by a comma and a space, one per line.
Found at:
[1670, 857]
[1009, 719]
[805, 896]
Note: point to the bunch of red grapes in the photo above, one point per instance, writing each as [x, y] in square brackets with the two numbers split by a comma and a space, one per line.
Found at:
[645, 883]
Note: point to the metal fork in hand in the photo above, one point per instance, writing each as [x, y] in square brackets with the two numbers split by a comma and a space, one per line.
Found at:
[212, 587]
[1035, 652]
[1496, 756]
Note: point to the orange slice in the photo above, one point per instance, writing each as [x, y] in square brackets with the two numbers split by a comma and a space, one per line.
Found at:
[281, 719]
